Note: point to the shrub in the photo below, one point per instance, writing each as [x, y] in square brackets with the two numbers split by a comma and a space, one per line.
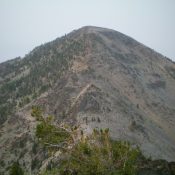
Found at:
[16, 169]
[95, 154]
[37, 113]
[98, 155]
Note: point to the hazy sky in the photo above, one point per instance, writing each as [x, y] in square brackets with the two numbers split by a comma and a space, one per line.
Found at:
[25, 24]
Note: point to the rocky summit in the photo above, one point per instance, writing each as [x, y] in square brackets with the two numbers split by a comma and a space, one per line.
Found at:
[95, 78]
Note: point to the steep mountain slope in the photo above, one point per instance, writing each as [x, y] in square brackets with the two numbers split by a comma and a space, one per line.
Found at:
[95, 77]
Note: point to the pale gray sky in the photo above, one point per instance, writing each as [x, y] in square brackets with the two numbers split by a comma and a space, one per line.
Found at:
[25, 24]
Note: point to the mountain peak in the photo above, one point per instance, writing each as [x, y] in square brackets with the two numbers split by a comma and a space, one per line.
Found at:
[93, 29]
[97, 78]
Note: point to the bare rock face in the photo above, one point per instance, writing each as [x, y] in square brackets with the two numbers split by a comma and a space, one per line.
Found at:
[101, 78]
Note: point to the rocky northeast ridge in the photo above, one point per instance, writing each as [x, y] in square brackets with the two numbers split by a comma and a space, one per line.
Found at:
[98, 78]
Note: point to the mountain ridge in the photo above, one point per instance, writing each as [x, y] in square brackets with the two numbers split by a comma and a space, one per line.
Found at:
[95, 77]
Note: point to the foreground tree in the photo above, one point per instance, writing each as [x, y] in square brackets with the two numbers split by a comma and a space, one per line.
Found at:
[93, 154]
